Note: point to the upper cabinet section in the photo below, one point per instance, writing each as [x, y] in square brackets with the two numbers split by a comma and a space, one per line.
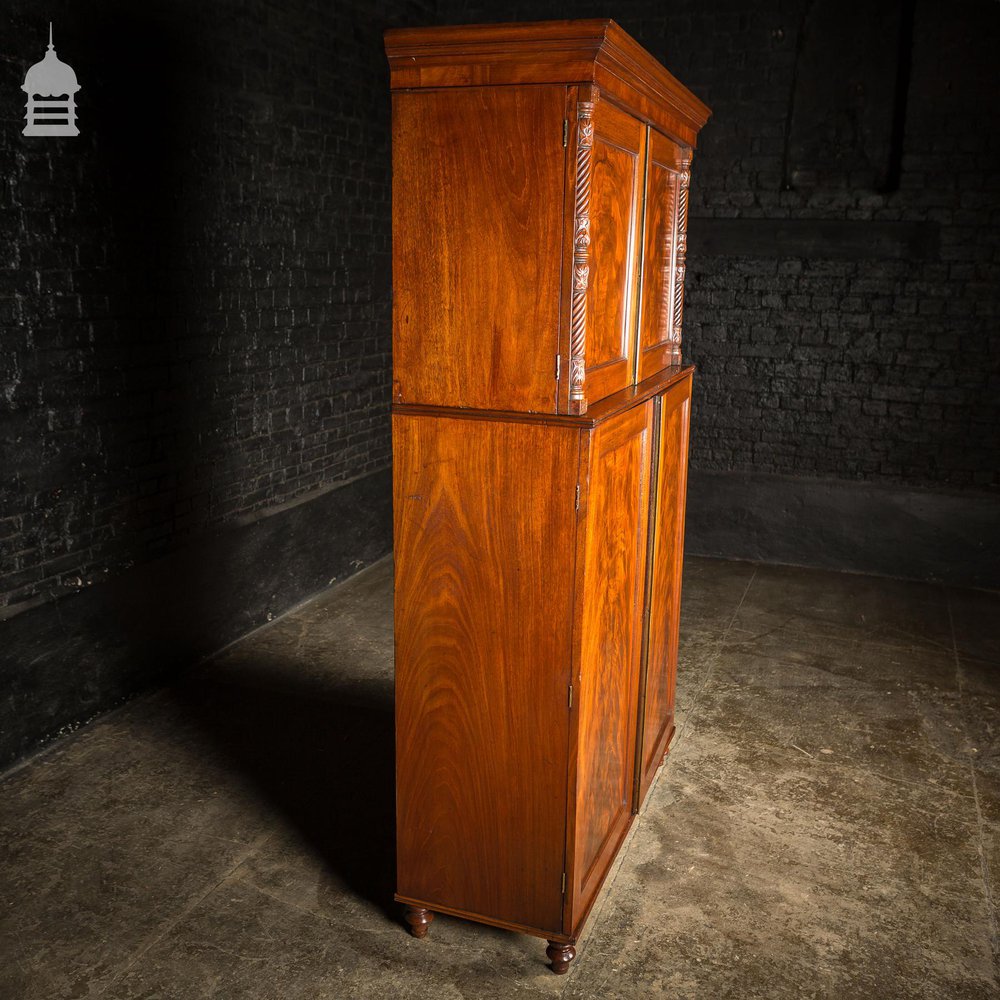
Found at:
[539, 209]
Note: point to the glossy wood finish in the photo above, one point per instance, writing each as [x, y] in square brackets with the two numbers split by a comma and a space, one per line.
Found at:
[518, 214]
[568, 52]
[667, 549]
[610, 587]
[478, 180]
[615, 207]
[419, 920]
[483, 613]
[540, 447]
[656, 323]
[560, 955]
[599, 413]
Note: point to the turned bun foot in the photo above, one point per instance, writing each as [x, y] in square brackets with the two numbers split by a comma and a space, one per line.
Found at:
[560, 955]
[419, 920]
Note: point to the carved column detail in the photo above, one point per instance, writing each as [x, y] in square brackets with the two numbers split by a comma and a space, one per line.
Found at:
[665, 321]
[581, 250]
[680, 252]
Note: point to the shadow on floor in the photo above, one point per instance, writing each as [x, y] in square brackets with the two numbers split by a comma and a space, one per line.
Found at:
[320, 753]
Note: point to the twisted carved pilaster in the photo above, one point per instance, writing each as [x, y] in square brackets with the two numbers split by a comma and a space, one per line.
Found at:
[665, 321]
[581, 252]
[680, 258]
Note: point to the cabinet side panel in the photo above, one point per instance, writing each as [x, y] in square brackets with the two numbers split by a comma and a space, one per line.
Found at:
[665, 594]
[484, 520]
[478, 178]
[616, 519]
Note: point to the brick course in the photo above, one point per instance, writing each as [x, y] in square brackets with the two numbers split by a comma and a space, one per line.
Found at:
[884, 370]
[195, 293]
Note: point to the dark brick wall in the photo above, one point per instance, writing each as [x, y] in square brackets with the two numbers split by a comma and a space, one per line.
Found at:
[882, 370]
[195, 292]
[879, 369]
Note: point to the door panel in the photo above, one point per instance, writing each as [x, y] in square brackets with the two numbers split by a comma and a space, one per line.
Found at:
[607, 688]
[483, 609]
[615, 199]
[659, 247]
[657, 724]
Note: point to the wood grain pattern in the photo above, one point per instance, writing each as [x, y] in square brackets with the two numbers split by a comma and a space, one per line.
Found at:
[477, 243]
[538, 226]
[569, 52]
[615, 204]
[657, 723]
[598, 413]
[656, 313]
[483, 623]
[610, 589]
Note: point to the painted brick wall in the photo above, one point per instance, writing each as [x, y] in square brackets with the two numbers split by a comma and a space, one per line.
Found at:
[884, 370]
[195, 292]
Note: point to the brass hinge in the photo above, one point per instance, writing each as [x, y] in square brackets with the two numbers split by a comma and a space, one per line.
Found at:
[571, 696]
[564, 884]
[558, 367]
[577, 496]
[565, 132]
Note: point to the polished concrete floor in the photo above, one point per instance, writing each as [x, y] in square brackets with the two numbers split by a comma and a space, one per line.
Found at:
[827, 825]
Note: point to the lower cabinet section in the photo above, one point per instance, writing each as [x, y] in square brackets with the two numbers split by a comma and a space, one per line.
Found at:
[538, 565]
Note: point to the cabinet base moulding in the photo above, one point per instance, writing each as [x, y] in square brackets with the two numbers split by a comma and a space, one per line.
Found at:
[426, 906]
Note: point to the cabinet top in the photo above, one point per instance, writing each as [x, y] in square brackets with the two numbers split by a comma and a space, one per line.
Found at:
[593, 51]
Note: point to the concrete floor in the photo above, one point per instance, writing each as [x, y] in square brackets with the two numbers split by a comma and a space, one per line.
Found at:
[826, 826]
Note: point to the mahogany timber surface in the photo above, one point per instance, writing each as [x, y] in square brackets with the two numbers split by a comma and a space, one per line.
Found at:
[657, 310]
[478, 178]
[665, 592]
[483, 520]
[598, 413]
[610, 585]
[568, 52]
[615, 208]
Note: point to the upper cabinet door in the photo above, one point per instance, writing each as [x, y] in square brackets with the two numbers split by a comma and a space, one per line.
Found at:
[615, 205]
[664, 241]
[477, 190]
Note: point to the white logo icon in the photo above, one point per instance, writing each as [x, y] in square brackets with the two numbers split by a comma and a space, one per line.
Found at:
[51, 86]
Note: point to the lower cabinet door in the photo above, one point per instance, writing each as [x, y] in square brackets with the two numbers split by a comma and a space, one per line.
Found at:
[664, 588]
[610, 589]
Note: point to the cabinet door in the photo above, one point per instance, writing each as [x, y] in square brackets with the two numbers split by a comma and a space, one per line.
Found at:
[606, 689]
[615, 203]
[663, 590]
[657, 333]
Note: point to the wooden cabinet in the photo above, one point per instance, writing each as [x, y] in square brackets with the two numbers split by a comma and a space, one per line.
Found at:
[540, 432]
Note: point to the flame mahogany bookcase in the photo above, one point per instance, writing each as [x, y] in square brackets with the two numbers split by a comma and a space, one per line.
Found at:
[540, 435]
